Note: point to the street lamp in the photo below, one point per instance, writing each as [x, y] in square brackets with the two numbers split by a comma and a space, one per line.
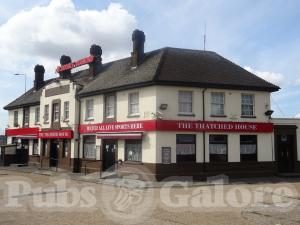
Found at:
[22, 74]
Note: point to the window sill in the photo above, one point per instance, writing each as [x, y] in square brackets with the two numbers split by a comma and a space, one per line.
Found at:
[89, 119]
[66, 121]
[133, 116]
[251, 117]
[185, 114]
[223, 116]
[133, 162]
[46, 122]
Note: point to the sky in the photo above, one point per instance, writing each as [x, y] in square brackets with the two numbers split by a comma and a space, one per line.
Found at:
[262, 36]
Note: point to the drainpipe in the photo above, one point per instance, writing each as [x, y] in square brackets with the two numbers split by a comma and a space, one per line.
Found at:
[79, 122]
[203, 111]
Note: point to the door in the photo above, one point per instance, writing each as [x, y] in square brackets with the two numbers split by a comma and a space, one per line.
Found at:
[54, 146]
[109, 154]
[285, 153]
[22, 154]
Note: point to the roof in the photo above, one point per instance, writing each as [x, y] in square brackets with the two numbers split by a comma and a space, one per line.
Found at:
[174, 66]
[166, 66]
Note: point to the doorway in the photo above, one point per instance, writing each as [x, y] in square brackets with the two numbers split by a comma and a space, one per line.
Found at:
[109, 154]
[285, 153]
[54, 146]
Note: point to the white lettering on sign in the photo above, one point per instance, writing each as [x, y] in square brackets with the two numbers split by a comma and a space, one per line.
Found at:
[114, 127]
[216, 126]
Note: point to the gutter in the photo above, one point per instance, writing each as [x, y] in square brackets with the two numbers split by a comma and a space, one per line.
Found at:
[204, 143]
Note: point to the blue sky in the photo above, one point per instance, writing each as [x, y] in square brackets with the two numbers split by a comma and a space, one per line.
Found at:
[262, 36]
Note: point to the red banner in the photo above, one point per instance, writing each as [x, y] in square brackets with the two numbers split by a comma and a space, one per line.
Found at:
[177, 125]
[22, 131]
[68, 134]
[72, 65]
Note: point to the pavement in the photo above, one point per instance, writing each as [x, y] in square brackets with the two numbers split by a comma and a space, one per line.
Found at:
[30, 196]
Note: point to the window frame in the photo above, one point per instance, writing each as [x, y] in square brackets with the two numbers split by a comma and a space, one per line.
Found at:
[186, 158]
[185, 102]
[37, 115]
[26, 117]
[130, 104]
[216, 158]
[253, 157]
[33, 147]
[55, 113]
[89, 109]
[16, 118]
[137, 141]
[253, 105]
[64, 153]
[106, 107]
[46, 113]
[212, 104]
[66, 111]
[85, 138]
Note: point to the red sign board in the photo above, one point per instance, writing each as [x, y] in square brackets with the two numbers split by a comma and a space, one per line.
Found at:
[77, 63]
[22, 131]
[68, 134]
[177, 125]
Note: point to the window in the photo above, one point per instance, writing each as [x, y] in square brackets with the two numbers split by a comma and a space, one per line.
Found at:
[16, 118]
[26, 117]
[55, 112]
[37, 115]
[133, 103]
[185, 148]
[66, 110]
[35, 147]
[248, 147]
[110, 106]
[247, 105]
[89, 110]
[217, 104]
[46, 113]
[89, 147]
[133, 150]
[218, 148]
[185, 99]
[44, 150]
[65, 150]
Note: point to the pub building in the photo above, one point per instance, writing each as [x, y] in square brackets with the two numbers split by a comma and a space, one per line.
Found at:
[168, 112]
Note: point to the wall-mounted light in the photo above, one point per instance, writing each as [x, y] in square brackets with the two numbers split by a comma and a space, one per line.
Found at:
[269, 112]
[163, 106]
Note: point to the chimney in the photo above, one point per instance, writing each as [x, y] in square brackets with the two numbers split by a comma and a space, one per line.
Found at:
[39, 71]
[138, 39]
[95, 66]
[64, 59]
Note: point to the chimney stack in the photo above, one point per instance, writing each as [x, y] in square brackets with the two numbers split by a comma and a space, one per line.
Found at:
[64, 59]
[138, 39]
[39, 71]
[95, 66]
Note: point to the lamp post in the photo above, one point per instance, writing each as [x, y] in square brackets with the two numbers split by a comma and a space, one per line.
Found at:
[22, 74]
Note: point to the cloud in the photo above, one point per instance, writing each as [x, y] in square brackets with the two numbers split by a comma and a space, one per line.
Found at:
[275, 78]
[42, 34]
[298, 82]
[297, 116]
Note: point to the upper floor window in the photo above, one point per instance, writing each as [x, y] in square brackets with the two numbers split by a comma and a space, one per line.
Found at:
[16, 118]
[37, 115]
[26, 117]
[89, 110]
[247, 105]
[55, 112]
[46, 113]
[185, 102]
[133, 103]
[217, 104]
[110, 106]
[66, 110]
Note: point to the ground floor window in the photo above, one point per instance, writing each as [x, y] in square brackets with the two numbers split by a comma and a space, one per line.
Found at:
[35, 147]
[248, 147]
[133, 150]
[218, 148]
[185, 148]
[89, 147]
[65, 149]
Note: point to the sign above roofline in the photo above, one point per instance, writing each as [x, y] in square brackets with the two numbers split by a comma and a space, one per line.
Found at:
[75, 64]
[177, 125]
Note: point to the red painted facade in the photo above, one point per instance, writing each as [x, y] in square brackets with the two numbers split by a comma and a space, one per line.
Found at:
[22, 131]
